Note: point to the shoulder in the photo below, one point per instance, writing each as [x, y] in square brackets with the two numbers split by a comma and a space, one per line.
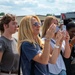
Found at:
[29, 45]
[1, 40]
[26, 43]
[2, 44]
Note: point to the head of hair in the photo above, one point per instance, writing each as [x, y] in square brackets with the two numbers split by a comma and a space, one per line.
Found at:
[66, 21]
[70, 25]
[47, 23]
[5, 20]
[25, 32]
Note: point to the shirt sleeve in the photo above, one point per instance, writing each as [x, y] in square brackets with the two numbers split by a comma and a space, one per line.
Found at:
[2, 46]
[30, 50]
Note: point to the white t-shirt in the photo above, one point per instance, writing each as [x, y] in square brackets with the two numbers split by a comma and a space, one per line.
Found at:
[59, 66]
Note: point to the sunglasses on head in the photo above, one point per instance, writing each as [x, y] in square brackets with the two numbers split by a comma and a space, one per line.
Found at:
[37, 24]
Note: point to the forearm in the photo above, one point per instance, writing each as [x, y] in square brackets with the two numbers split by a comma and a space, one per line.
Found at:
[46, 52]
[55, 53]
[67, 51]
[54, 56]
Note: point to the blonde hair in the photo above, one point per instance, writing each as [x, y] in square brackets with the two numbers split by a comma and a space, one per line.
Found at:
[47, 23]
[25, 32]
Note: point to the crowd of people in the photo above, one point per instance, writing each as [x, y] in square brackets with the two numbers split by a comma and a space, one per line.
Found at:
[51, 53]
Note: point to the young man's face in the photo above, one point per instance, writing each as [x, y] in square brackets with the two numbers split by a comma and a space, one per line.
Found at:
[12, 28]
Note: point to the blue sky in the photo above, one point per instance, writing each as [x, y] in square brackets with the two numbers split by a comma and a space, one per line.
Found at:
[37, 7]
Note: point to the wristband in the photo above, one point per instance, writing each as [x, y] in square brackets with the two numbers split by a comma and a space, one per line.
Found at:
[56, 46]
[46, 39]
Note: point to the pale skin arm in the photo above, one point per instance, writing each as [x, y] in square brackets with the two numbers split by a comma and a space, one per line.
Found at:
[67, 51]
[55, 53]
[54, 56]
[44, 56]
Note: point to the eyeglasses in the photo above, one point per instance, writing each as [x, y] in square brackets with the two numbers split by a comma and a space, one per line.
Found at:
[37, 24]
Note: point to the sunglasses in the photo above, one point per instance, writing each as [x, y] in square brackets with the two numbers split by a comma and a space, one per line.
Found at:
[37, 24]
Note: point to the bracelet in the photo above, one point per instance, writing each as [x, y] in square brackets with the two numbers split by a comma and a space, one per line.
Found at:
[56, 46]
[46, 39]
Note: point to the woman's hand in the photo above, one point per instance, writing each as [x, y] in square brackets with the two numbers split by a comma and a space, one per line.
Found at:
[66, 37]
[59, 37]
[51, 31]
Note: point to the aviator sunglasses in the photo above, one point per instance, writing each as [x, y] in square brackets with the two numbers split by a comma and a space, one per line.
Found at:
[37, 24]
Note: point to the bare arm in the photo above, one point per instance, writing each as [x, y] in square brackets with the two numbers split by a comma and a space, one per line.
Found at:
[67, 51]
[43, 58]
[54, 56]
[56, 51]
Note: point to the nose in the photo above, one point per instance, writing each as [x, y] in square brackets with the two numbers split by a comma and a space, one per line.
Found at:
[39, 24]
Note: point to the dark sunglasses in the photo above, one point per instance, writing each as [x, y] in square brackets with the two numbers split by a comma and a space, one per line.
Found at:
[37, 24]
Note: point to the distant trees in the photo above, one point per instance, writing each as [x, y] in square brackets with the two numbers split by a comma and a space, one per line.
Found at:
[49, 14]
[2, 13]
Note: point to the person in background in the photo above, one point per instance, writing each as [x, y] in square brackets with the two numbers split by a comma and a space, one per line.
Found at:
[66, 21]
[70, 62]
[33, 53]
[9, 57]
[47, 22]
[59, 43]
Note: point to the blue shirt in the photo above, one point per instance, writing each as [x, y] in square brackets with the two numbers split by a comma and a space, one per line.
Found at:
[28, 52]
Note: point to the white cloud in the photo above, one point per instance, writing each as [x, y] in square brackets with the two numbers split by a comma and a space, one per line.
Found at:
[5, 8]
[24, 1]
[28, 11]
[37, 6]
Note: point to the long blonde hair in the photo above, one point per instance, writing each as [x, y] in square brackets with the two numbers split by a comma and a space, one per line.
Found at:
[25, 32]
[47, 23]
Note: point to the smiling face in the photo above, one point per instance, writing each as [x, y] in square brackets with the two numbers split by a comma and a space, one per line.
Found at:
[36, 26]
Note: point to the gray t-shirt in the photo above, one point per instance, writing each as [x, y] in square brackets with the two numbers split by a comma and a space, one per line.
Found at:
[10, 58]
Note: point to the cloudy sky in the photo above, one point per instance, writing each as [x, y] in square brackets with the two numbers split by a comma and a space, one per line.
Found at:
[38, 7]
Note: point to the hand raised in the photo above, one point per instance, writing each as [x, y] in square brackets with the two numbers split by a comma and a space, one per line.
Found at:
[51, 31]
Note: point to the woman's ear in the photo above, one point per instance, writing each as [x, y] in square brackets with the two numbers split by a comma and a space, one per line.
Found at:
[5, 26]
